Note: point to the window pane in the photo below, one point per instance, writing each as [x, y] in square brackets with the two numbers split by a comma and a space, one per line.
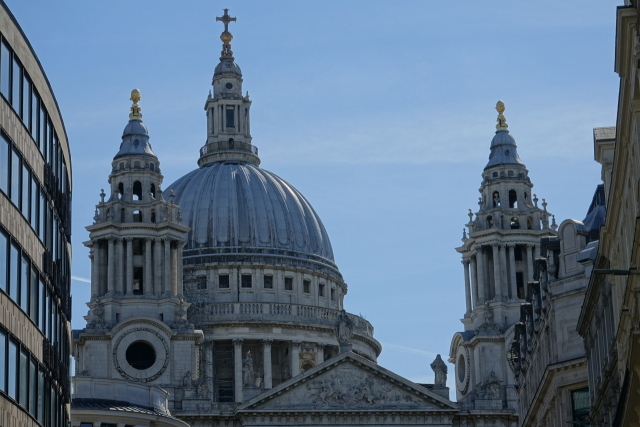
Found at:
[24, 284]
[33, 387]
[26, 98]
[16, 173]
[35, 117]
[41, 390]
[5, 67]
[3, 362]
[35, 195]
[49, 140]
[33, 293]
[17, 85]
[26, 184]
[230, 121]
[46, 315]
[23, 377]
[43, 131]
[12, 371]
[41, 216]
[14, 270]
[43, 301]
[4, 165]
[3, 261]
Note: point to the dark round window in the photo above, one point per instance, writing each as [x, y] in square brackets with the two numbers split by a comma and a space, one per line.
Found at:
[462, 369]
[228, 85]
[141, 355]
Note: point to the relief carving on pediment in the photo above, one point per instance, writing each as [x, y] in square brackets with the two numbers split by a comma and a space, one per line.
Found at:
[347, 386]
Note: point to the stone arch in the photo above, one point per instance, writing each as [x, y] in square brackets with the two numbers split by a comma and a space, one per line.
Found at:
[137, 190]
[513, 199]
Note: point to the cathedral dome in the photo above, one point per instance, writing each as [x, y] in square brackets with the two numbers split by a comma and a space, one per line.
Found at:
[238, 207]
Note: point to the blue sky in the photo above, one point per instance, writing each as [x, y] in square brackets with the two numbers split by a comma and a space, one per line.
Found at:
[380, 113]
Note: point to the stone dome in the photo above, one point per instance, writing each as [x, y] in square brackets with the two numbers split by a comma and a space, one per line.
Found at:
[135, 141]
[504, 150]
[227, 66]
[238, 208]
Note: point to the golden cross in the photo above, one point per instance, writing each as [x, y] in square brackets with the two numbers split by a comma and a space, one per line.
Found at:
[226, 19]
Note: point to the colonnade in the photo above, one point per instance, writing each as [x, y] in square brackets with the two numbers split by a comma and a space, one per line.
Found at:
[238, 355]
[478, 286]
[112, 266]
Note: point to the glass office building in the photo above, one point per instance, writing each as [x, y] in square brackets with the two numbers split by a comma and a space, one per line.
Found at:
[35, 245]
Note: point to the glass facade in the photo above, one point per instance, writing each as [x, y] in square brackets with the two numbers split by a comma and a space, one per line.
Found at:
[35, 250]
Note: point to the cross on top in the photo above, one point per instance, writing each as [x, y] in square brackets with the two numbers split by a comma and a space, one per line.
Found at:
[226, 19]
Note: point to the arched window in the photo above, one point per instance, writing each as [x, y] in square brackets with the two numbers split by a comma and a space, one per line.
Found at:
[152, 191]
[153, 216]
[137, 190]
[120, 191]
[137, 216]
[496, 199]
[529, 223]
[489, 221]
[122, 215]
[513, 199]
[515, 223]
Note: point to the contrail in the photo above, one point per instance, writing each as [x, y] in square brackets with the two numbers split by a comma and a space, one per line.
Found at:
[80, 279]
[404, 349]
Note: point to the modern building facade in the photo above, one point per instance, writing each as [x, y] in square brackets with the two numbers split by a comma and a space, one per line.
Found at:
[35, 230]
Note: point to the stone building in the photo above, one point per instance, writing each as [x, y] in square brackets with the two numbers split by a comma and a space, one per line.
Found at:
[35, 248]
[546, 354]
[498, 257]
[611, 313]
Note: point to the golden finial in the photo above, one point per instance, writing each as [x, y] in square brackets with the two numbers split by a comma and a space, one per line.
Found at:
[502, 120]
[135, 108]
[226, 36]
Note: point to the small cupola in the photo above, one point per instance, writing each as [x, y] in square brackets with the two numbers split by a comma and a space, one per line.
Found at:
[503, 146]
[135, 137]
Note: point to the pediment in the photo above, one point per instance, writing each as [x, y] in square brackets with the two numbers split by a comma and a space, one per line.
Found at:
[348, 382]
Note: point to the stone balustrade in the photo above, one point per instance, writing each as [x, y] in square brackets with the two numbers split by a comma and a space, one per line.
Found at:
[245, 311]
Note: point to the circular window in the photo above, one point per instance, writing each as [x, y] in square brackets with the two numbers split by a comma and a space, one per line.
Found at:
[141, 355]
[136, 142]
[228, 85]
[506, 151]
[462, 370]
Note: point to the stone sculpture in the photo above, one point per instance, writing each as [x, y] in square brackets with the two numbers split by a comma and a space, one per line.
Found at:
[440, 369]
[344, 331]
[247, 370]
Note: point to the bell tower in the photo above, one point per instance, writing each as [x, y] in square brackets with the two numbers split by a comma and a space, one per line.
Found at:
[137, 320]
[228, 124]
[498, 256]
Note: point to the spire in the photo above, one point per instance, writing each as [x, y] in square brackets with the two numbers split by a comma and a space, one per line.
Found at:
[502, 120]
[503, 146]
[226, 36]
[135, 108]
[135, 138]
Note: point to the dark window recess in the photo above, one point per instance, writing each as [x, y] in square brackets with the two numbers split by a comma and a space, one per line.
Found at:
[288, 283]
[228, 86]
[120, 190]
[137, 246]
[518, 253]
[321, 289]
[153, 216]
[137, 280]
[580, 404]
[306, 286]
[225, 394]
[246, 280]
[268, 282]
[513, 199]
[137, 190]
[223, 281]
[515, 223]
[152, 191]
[520, 285]
[230, 118]
[141, 355]
[333, 294]
[201, 282]
[137, 216]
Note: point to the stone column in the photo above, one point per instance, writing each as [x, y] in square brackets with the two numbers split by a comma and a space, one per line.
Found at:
[120, 265]
[496, 270]
[295, 358]
[512, 269]
[529, 262]
[129, 265]
[237, 369]
[467, 284]
[157, 266]
[266, 361]
[179, 269]
[111, 267]
[94, 272]
[148, 271]
[474, 280]
[481, 276]
[167, 265]
[320, 352]
[174, 269]
[504, 273]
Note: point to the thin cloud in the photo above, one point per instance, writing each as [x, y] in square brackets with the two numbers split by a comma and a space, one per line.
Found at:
[80, 279]
[410, 350]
